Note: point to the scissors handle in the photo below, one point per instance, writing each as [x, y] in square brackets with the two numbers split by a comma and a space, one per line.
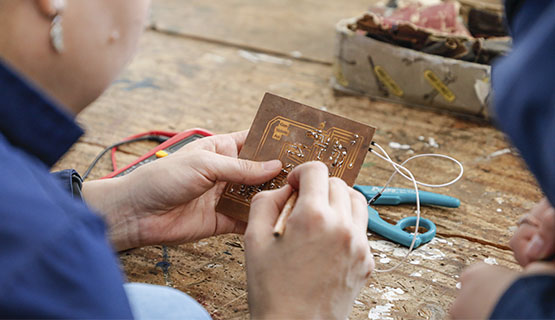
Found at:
[397, 232]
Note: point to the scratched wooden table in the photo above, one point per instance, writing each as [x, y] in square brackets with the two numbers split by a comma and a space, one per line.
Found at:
[208, 63]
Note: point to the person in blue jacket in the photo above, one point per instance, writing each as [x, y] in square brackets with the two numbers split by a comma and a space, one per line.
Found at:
[58, 235]
[524, 108]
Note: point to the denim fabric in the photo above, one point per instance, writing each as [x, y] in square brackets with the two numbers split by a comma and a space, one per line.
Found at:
[156, 302]
[56, 260]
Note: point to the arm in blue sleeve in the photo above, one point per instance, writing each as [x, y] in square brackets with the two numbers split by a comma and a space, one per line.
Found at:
[524, 96]
[73, 275]
[56, 259]
[524, 108]
[530, 297]
[71, 181]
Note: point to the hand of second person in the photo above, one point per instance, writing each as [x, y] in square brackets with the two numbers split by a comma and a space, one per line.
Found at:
[173, 199]
[481, 287]
[317, 267]
[534, 239]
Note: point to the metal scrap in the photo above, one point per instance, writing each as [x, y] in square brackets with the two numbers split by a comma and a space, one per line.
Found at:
[437, 29]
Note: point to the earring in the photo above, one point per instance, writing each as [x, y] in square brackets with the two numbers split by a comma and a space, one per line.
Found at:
[56, 29]
[57, 34]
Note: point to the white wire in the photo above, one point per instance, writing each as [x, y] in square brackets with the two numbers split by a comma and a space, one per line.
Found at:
[395, 165]
[415, 182]
[436, 155]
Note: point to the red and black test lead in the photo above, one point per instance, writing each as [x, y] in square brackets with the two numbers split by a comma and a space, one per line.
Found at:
[156, 136]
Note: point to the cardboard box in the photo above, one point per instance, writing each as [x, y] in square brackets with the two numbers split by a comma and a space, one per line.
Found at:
[366, 66]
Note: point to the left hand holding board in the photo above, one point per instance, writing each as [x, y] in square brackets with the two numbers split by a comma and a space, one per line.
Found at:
[172, 200]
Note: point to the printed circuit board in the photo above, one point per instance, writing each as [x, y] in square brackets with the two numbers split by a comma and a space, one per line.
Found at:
[295, 133]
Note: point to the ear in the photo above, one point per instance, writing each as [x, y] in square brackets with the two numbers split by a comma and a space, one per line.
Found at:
[50, 8]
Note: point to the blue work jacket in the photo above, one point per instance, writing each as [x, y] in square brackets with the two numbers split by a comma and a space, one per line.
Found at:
[524, 108]
[56, 261]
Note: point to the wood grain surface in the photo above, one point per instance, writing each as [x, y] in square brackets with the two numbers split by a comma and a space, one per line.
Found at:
[178, 81]
[287, 27]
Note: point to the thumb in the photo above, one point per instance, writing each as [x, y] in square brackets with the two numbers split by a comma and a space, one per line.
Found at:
[217, 167]
[542, 243]
[265, 209]
[535, 248]
[540, 247]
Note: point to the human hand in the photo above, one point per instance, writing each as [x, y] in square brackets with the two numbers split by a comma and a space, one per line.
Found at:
[482, 285]
[317, 267]
[534, 239]
[173, 199]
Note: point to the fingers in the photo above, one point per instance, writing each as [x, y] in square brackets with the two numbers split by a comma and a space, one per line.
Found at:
[216, 167]
[536, 248]
[359, 217]
[226, 144]
[340, 199]
[534, 239]
[311, 179]
[226, 224]
[265, 209]
[547, 236]
[240, 227]
[359, 208]
[520, 240]
[229, 144]
[314, 185]
[239, 138]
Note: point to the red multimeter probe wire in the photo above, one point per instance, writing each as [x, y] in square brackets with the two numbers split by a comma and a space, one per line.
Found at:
[174, 143]
[149, 133]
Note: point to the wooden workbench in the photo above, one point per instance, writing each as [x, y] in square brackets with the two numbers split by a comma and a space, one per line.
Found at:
[198, 65]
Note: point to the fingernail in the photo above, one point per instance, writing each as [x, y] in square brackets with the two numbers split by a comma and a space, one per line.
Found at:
[534, 247]
[58, 5]
[271, 165]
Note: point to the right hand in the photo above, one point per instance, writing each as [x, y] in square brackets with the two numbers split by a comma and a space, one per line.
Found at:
[534, 239]
[320, 263]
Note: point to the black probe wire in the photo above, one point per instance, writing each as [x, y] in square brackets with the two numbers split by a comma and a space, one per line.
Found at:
[155, 138]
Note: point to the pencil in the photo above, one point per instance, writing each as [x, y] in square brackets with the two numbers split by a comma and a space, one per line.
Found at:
[279, 228]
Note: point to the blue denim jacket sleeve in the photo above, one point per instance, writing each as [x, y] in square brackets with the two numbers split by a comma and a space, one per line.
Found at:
[524, 108]
[56, 259]
[71, 181]
[524, 96]
[528, 298]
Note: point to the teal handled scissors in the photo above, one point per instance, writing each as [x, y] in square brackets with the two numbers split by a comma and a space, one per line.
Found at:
[396, 196]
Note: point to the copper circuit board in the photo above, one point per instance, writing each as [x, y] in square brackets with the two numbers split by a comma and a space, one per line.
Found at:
[295, 133]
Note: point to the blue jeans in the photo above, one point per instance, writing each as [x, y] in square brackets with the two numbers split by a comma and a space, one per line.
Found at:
[150, 301]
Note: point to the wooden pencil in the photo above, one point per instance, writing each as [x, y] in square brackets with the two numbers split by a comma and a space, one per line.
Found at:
[279, 228]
